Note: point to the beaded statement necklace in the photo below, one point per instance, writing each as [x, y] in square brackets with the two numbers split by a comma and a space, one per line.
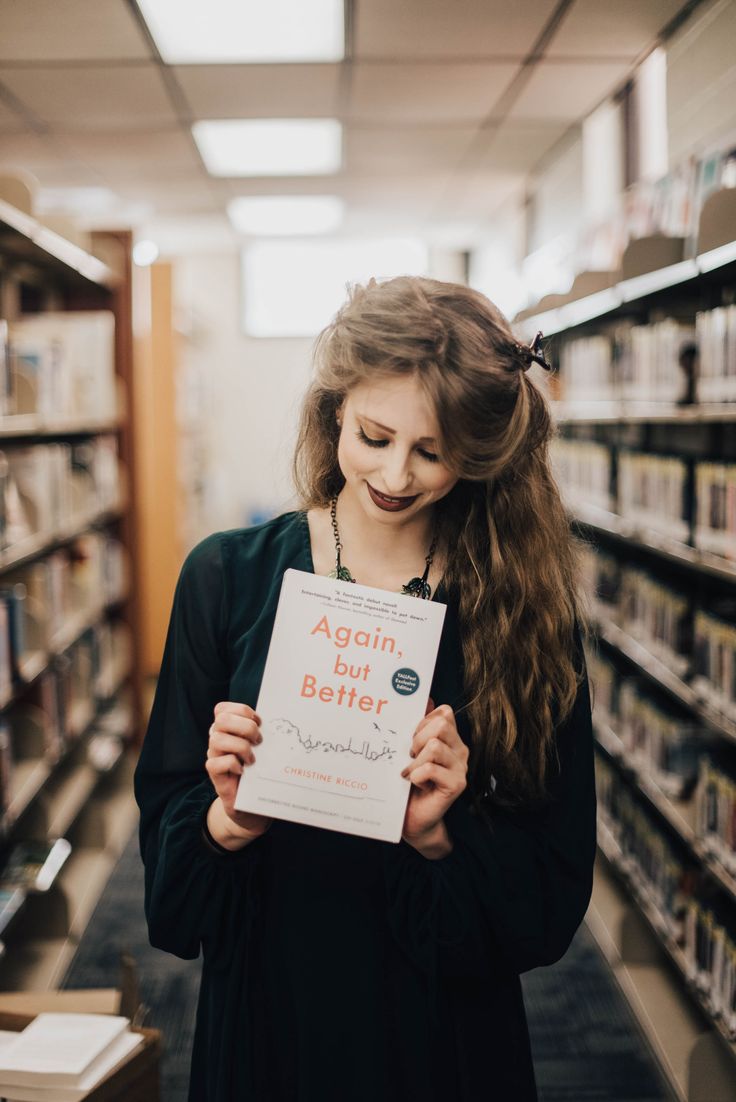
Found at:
[417, 587]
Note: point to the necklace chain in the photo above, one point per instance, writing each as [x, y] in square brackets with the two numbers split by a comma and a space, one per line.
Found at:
[417, 587]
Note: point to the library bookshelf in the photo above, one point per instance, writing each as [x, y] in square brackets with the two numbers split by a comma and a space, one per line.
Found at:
[70, 682]
[645, 408]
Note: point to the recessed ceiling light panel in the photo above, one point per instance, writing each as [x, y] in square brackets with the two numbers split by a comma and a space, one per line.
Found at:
[270, 147]
[188, 32]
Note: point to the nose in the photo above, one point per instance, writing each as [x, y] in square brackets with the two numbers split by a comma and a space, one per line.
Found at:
[396, 472]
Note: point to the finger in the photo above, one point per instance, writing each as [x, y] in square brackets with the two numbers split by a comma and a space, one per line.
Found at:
[441, 712]
[430, 706]
[230, 744]
[444, 779]
[230, 724]
[237, 709]
[224, 763]
[436, 751]
[437, 725]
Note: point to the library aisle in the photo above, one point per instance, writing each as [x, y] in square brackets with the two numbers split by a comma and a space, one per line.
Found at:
[186, 194]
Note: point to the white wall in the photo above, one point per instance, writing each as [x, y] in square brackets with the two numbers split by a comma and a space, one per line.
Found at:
[701, 81]
[250, 392]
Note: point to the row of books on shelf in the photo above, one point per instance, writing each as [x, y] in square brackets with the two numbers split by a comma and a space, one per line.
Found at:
[58, 708]
[667, 361]
[44, 604]
[697, 643]
[59, 365]
[693, 917]
[49, 488]
[682, 500]
[660, 739]
[662, 743]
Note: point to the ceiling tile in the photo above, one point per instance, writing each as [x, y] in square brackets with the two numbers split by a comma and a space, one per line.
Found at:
[567, 90]
[75, 30]
[11, 121]
[90, 96]
[45, 158]
[515, 147]
[623, 29]
[480, 194]
[437, 29]
[124, 157]
[404, 149]
[268, 91]
[426, 92]
[172, 196]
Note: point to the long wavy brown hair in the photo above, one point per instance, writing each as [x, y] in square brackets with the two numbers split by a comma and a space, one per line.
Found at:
[512, 561]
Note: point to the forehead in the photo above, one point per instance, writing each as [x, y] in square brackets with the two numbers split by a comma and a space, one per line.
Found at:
[399, 402]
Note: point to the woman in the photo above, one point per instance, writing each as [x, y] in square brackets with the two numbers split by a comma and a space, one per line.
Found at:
[338, 967]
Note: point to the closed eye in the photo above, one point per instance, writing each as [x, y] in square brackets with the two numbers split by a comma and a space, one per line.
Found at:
[429, 456]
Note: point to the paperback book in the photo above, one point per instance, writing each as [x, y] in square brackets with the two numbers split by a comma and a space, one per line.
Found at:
[345, 685]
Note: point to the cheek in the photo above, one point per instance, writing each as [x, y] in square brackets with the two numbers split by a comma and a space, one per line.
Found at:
[350, 455]
[442, 482]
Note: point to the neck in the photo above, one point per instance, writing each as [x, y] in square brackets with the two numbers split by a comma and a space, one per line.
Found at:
[394, 540]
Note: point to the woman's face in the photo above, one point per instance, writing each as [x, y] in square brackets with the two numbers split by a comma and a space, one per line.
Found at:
[388, 446]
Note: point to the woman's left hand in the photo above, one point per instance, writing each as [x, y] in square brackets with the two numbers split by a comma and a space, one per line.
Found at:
[437, 773]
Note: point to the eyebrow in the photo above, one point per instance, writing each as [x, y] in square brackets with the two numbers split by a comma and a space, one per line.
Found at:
[385, 428]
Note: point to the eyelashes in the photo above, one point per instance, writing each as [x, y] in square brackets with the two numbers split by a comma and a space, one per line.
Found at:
[429, 456]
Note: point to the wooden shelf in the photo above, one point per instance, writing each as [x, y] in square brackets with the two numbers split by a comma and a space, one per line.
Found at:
[615, 412]
[680, 814]
[692, 1049]
[35, 546]
[37, 964]
[100, 828]
[70, 797]
[32, 425]
[647, 539]
[660, 675]
[639, 290]
[82, 880]
[24, 239]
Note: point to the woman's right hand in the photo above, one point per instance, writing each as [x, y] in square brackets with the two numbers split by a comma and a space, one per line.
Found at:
[233, 734]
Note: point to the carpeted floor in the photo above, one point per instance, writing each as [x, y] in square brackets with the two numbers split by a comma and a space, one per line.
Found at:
[587, 1046]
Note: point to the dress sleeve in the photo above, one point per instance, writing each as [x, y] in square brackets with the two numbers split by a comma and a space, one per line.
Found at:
[513, 891]
[193, 889]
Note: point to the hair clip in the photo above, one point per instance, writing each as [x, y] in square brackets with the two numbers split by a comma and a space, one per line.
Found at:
[533, 353]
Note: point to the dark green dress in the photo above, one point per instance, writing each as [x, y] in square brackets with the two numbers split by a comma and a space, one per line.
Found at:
[339, 968]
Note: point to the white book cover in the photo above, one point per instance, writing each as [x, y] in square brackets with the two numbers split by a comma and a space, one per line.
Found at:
[57, 1049]
[345, 685]
[117, 1053]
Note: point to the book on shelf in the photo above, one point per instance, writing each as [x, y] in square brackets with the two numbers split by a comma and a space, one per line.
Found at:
[34, 864]
[11, 900]
[63, 1056]
[62, 364]
[5, 378]
[346, 683]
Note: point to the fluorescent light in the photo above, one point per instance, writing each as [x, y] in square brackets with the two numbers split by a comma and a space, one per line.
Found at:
[234, 31]
[270, 147]
[285, 215]
[293, 288]
[657, 280]
[716, 258]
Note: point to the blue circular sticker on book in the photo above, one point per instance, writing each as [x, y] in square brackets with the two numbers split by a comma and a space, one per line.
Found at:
[405, 681]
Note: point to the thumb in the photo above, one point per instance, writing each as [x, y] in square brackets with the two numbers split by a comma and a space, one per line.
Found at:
[430, 706]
